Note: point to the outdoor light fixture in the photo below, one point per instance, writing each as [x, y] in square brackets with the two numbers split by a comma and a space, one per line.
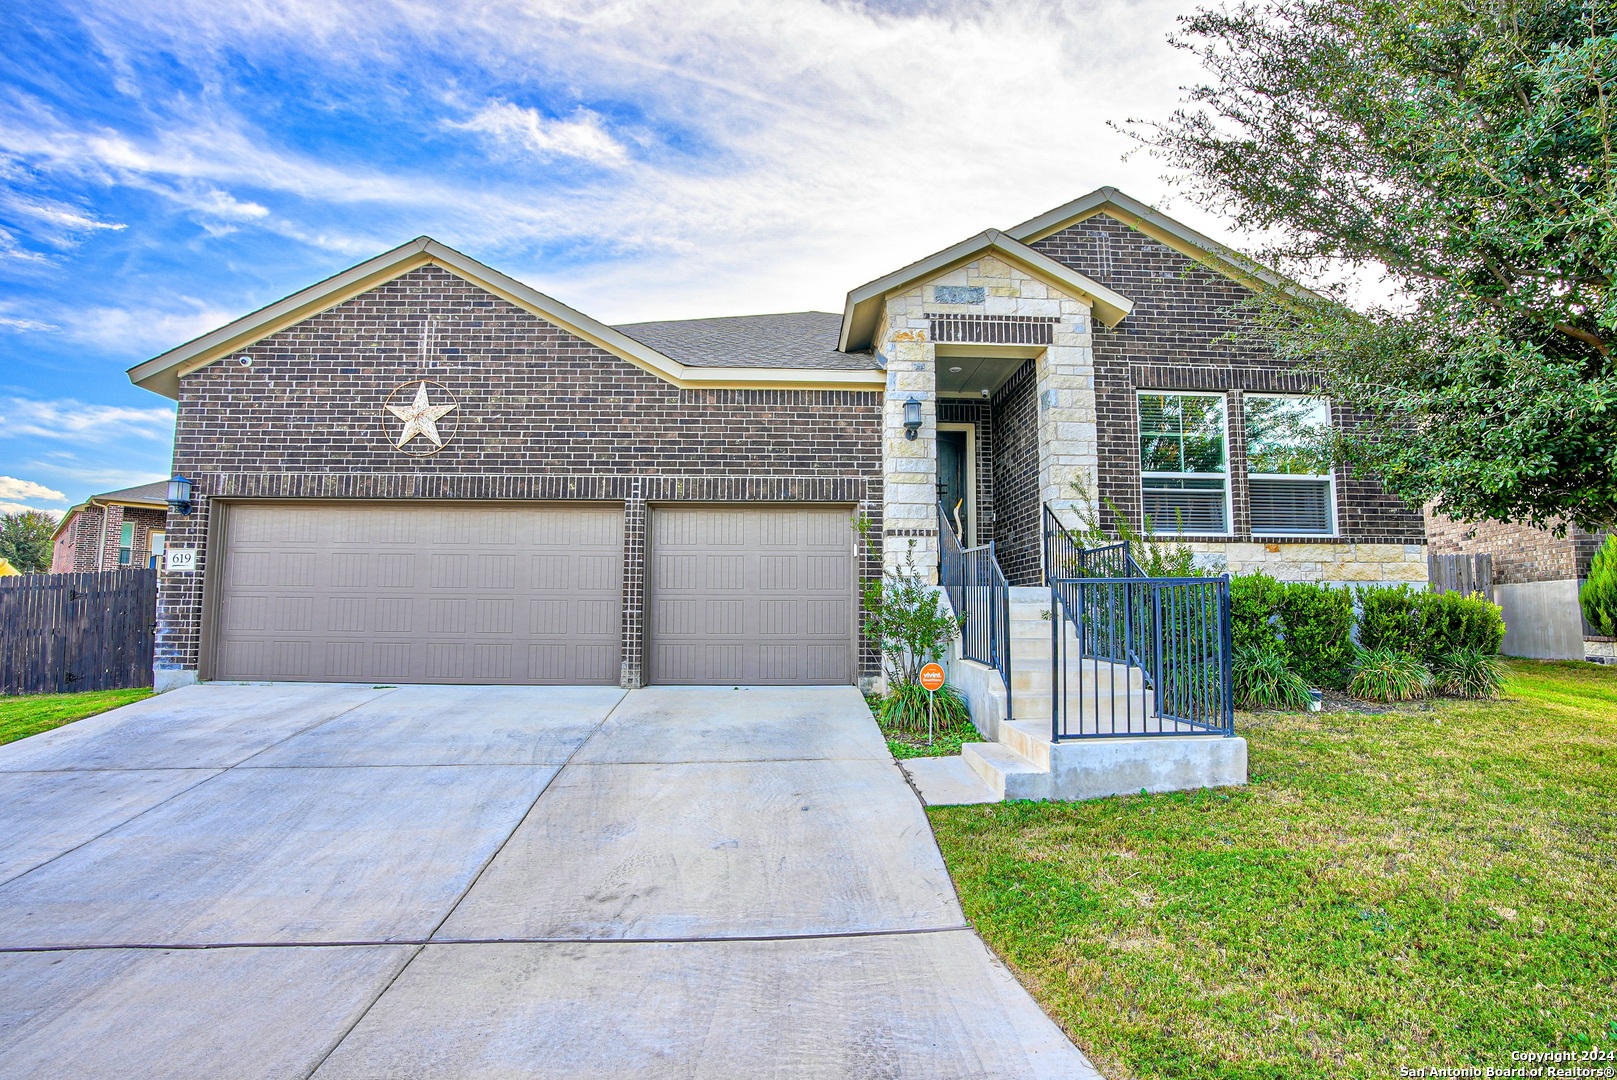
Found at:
[179, 495]
[912, 418]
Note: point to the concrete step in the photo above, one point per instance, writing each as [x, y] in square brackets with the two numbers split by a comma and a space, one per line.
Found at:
[1007, 774]
[947, 781]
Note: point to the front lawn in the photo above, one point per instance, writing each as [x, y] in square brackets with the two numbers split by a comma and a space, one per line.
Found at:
[31, 714]
[1428, 887]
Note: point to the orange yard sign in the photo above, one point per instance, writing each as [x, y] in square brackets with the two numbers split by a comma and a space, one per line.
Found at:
[932, 678]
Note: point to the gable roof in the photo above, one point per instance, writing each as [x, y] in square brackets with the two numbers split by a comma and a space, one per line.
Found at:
[153, 495]
[862, 314]
[162, 374]
[797, 339]
[1159, 227]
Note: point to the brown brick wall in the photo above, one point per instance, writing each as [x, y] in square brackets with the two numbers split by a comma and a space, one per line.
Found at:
[542, 415]
[1017, 538]
[980, 415]
[1185, 334]
[75, 548]
[1521, 553]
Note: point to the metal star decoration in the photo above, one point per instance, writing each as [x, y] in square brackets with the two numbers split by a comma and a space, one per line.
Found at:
[420, 418]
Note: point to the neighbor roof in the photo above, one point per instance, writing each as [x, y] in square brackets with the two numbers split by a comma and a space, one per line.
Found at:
[863, 311]
[797, 339]
[162, 374]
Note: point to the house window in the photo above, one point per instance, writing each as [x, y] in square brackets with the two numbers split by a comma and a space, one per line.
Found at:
[126, 543]
[1182, 453]
[156, 543]
[1288, 477]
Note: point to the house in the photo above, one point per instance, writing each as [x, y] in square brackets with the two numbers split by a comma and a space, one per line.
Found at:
[1536, 574]
[422, 469]
[111, 531]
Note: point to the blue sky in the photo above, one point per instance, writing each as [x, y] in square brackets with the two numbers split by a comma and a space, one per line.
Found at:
[169, 165]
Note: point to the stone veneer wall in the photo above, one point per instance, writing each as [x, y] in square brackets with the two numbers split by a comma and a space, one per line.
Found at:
[1007, 305]
[1184, 334]
[542, 415]
[1356, 563]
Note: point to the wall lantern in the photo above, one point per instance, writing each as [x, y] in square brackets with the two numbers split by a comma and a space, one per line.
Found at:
[912, 417]
[179, 495]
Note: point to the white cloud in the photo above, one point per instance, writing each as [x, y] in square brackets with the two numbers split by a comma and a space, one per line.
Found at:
[18, 508]
[142, 331]
[515, 128]
[13, 322]
[13, 488]
[81, 422]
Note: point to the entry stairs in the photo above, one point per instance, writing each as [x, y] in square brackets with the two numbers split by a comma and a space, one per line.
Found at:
[1020, 760]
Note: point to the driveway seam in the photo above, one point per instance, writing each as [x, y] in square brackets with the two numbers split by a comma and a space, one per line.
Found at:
[469, 887]
[830, 935]
[219, 770]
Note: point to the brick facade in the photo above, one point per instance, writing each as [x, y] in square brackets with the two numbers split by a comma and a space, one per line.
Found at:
[542, 415]
[1185, 334]
[74, 550]
[1017, 528]
[1521, 553]
[980, 415]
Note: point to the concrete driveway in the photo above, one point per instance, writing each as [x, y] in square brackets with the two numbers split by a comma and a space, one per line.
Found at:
[354, 881]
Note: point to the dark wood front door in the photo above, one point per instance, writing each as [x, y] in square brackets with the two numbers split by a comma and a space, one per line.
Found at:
[952, 482]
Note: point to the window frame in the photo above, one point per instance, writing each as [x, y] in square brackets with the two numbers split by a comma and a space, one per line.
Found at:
[1139, 437]
[1329, 476]
[126, 552]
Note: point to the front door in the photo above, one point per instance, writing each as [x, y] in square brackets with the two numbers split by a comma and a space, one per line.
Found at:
[952, 482]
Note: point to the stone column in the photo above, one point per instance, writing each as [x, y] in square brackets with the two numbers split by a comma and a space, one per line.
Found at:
[1068, 436]
[910, 467]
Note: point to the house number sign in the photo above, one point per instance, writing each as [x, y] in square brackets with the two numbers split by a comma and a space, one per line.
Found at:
[180, 560]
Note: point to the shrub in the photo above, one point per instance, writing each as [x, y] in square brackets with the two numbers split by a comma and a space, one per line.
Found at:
[1598, 597]
[1450, 621]
[909, 620]
[1254, 612]
[1386, 675]
[1390, 618]
[1470, 673]
[904, 708]
[1263, 681]
[1317, 624]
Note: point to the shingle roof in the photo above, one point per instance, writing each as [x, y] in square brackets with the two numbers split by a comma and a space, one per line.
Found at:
[155, 492]
[797, 339]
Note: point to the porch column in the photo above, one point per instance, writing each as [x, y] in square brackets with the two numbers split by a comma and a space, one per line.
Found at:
[910, 467]
[1069, 447]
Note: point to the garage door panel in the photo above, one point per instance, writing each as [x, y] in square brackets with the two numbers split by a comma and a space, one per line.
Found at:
[421, 594]
[774, 607]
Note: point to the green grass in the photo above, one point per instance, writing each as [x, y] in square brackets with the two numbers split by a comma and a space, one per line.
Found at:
[1425, 887]
[946, 741]
[21, 717]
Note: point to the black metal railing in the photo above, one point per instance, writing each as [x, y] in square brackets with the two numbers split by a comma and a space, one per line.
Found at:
[981, 597]
[1133, 655]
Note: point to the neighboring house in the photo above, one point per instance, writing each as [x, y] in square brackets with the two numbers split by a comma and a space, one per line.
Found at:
[1536, 578]
[424, 470]
[112, 531]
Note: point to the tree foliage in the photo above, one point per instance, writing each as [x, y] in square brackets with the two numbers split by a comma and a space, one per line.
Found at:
[25, 540]
[1598, 596]
[1463, 148]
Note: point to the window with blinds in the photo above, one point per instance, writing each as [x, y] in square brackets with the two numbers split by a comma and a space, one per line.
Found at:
[1288, 476]
[1183, 481]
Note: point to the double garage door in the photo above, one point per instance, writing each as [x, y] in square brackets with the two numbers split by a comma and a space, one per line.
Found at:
[528, 594]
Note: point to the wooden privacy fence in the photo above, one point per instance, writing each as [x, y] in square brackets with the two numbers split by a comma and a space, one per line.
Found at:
[70, 632]
[1461, 573]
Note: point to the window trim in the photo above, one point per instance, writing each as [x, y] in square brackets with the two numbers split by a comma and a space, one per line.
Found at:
[1329, 476]
[126, 552]
[1225, 476]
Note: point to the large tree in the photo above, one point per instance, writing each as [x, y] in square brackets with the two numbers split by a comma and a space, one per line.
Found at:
[1462, 149]
[25, 540]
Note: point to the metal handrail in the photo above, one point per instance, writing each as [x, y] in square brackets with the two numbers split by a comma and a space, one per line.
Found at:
[981, 597]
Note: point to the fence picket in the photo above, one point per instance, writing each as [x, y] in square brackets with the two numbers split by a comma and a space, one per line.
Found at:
[68, 632]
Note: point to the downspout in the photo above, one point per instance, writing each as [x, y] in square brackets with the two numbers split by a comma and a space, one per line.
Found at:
[101, 549]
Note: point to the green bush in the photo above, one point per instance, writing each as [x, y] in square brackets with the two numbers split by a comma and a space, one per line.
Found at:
[904, 708]
[1388, 675]
[1598, 597]
[1470, 673]
[1316, 622]
[1263, 681]
[1450, 621]
[1255, 611]
[1390, 618]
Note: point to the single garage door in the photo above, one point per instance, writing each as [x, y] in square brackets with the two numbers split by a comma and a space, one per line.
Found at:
[751, 596]
[434, 593]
